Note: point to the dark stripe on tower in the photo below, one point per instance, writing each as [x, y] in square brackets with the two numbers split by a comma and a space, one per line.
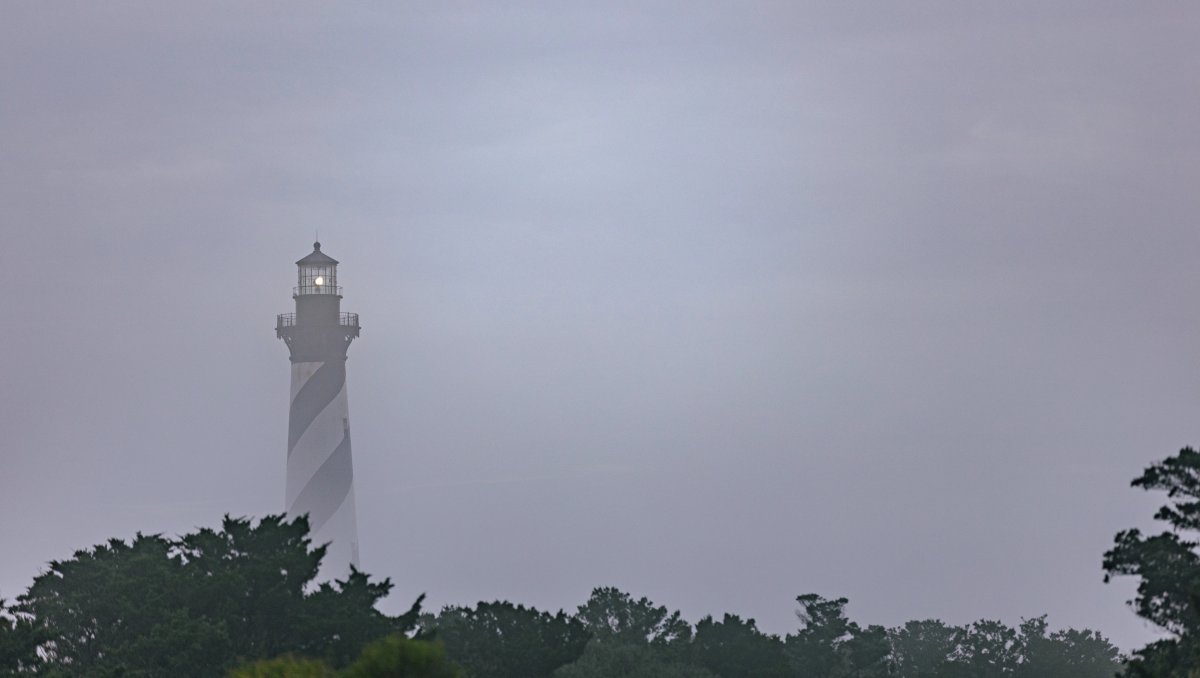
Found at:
[327, 489]
[321, 388]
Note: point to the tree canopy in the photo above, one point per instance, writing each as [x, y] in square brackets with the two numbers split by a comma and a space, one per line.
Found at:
[1167, 566]
[198, 604]
[502, 640]
[243, 600]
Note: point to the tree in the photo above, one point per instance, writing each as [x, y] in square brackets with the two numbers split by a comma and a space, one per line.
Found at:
[991, 649]
[613, 615]
[502, 640]
[287, 666]
[632, 638]
[605, 660]
[401, 657]
[829, 644]
[816, 649]
[1167, 566]
[735, 648]
[984, 649]
[197, 605]
[1078, 654]
[393, 657]
[868, 653]
[124, 608]
[20, 637]
[920, 649]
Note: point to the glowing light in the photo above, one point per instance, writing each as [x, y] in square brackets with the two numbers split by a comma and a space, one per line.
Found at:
[319, 280]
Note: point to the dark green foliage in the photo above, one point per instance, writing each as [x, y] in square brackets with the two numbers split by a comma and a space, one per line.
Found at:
[605, 660]
[392, 657]
[244, 596]
[611, 614]
[1079, 654]
[502, 640]
[1168, 568]
[735, 648]
[632, 638]
[287, 666]
[1166, 658]
[1167, 564]
[818, 648]
[123, 609]
[868, 653]
[829, 644]
[985, 649]
[20, 637]
[991, 649]
[266, 566]
[920, 648]
[197, 605]
[344, 617]
[400, 657]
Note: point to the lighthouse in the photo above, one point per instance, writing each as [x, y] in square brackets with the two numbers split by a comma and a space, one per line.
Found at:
[320, 471]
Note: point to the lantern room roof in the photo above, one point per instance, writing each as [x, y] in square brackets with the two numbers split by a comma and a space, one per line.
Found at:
[317, 257]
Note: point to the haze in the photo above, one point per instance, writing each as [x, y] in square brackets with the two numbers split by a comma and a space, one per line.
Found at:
[716, 303]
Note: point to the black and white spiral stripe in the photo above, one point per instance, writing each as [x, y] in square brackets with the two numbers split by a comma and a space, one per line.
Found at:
[320, 476]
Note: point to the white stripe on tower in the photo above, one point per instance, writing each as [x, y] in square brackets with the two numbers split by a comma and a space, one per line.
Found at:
[320, 479]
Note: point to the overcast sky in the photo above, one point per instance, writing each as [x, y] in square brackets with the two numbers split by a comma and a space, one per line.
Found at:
[719, 303]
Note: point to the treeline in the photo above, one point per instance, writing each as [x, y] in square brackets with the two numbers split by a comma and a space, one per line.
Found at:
[193, 606]
[241, 599]
[613, 634]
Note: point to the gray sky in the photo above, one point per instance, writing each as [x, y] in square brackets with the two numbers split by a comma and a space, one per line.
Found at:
[719, 303]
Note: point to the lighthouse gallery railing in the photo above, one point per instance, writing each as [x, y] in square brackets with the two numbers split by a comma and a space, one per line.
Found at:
[289, 320]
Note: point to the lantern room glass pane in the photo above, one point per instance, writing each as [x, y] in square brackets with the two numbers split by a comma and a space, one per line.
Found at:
[318, 279]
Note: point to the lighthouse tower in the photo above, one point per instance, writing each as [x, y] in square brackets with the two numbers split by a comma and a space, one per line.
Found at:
[320, 475]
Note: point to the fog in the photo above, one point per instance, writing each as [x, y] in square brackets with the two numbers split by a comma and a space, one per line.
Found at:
[716, 303]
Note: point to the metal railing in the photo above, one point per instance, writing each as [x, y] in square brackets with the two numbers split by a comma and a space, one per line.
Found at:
[289, 320]
[316, 289]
